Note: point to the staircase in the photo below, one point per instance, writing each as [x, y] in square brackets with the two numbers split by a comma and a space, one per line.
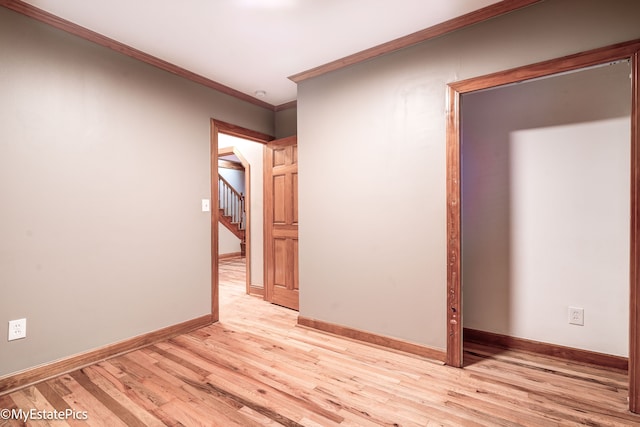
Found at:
[232, 213]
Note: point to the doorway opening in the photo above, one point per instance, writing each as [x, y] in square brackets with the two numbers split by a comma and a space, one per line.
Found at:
[246, 146]
[234, 213]
[545, 214]
[622, 52]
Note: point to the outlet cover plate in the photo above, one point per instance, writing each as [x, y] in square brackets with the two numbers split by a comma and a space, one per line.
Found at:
[576, 316]
[17, 329]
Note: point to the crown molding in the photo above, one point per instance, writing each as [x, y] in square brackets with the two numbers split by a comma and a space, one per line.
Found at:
[77, 30]
[438, 30]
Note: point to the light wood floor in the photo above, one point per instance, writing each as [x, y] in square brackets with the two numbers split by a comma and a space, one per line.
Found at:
[256, 367]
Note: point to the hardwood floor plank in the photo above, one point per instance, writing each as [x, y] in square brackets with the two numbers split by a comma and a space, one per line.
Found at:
[118, 394]
[139, 395]
[81, 400]
[188, 387]
[52, 396]
[109, 402]
[221, 367]
[258, 418]
[190, 415]
[8, 404]
[267, 412]
[29, 399]
[192, 379]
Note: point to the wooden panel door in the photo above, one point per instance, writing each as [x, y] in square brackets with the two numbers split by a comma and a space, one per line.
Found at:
[281, 222]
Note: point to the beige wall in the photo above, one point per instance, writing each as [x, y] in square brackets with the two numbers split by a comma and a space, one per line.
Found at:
[286, 122]
[103, 163]
[228, 243]
[372, 164]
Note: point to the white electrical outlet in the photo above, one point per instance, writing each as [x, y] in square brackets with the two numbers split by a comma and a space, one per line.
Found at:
[17, 329]
[576, 316]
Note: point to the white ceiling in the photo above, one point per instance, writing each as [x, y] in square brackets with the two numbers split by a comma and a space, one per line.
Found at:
[252, 45]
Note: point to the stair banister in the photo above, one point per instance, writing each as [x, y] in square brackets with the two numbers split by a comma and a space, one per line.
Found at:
[231, 202]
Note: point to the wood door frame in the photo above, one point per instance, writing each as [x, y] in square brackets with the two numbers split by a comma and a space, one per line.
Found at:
[217, 127]
[622, 51]
[225, 151]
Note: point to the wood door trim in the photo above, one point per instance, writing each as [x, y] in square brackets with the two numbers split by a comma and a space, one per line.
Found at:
[454, 268]
[266, 201]
[283, 142]
[226, 164]
[218, 126]
[634, 264]
[619, 51]
[241, 132]
[628, 50]
[429, 33]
